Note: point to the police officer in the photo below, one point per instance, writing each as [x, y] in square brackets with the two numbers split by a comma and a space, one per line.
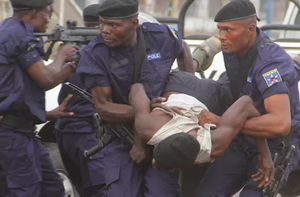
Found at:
[76, 134]
[25, 166]
[272, 82]
[107, 67]
[90, 17]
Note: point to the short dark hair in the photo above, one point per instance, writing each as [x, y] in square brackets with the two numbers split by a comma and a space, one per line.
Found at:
[177, 151]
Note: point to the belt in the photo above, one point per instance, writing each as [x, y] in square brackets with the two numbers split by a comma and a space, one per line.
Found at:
[17, 122]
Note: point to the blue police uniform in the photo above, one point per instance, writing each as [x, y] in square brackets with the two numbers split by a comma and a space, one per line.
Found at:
[25, 166]
[273, 73]
[76, 134]
[114, 67]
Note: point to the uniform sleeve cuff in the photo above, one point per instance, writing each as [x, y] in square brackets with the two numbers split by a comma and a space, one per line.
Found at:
[96, 80]
[29, 58]
[278, 88]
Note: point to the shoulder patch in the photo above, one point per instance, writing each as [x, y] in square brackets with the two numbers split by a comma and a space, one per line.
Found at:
[31, 47]
[172, 29]
[272, 77]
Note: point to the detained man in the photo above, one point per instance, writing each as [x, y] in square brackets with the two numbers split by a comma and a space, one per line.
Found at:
[180, 141]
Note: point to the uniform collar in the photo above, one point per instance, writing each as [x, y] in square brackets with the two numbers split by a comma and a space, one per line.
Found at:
[260, 36]
[116, 51]
[29, 27]
[13, 21]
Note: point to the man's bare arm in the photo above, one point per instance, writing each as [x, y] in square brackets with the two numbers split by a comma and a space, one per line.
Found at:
[185, 60]
[108, 110]
[50, 76]
[141, 108]
[275, 123]
[230, 124]
[265, 165]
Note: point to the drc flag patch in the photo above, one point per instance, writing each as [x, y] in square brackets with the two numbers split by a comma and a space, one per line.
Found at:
[154, 56]
[272, 77]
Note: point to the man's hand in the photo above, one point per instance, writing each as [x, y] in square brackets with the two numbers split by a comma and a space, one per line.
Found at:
[265, 171]
[59, 111]
[206, 117]
[157, 102]
[139, 154]
[68, 52]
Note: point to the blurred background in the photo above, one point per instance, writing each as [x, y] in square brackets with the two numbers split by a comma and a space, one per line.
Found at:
[199, 17]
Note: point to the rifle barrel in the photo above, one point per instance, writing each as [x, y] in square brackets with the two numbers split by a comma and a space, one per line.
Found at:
[84, 32]
[43, 34]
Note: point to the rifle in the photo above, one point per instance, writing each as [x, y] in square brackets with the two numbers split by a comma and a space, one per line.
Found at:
[106, 131]
[281, 162]
[70, 34]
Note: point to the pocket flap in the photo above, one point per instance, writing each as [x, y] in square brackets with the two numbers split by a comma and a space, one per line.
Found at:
[22, 180]
[112, 175]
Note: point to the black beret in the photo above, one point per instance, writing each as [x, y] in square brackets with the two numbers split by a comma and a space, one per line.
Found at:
[236, 10]
[90, 14]
[177, 151]
[118, 9]
[30, 4]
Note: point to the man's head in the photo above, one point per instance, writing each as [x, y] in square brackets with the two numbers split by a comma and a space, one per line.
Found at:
[118, 22]
[237, 26]
[90, 16]
[36, 12]
[177, 151]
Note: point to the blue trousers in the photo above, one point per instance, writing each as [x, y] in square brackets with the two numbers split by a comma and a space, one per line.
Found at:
[232, 171]
[84, 173]
[25, 167]
[112, 172]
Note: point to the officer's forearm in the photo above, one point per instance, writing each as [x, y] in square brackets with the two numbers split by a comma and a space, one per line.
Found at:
[115, 112]
[57, 72]
[265, 126]
[138, 141]
[59, 76]
[185, 60]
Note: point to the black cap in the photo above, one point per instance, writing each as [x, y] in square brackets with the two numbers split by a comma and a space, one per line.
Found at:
[118, 9]
[90, 14]
[30, 4]
[177, 151]
[236, 10]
